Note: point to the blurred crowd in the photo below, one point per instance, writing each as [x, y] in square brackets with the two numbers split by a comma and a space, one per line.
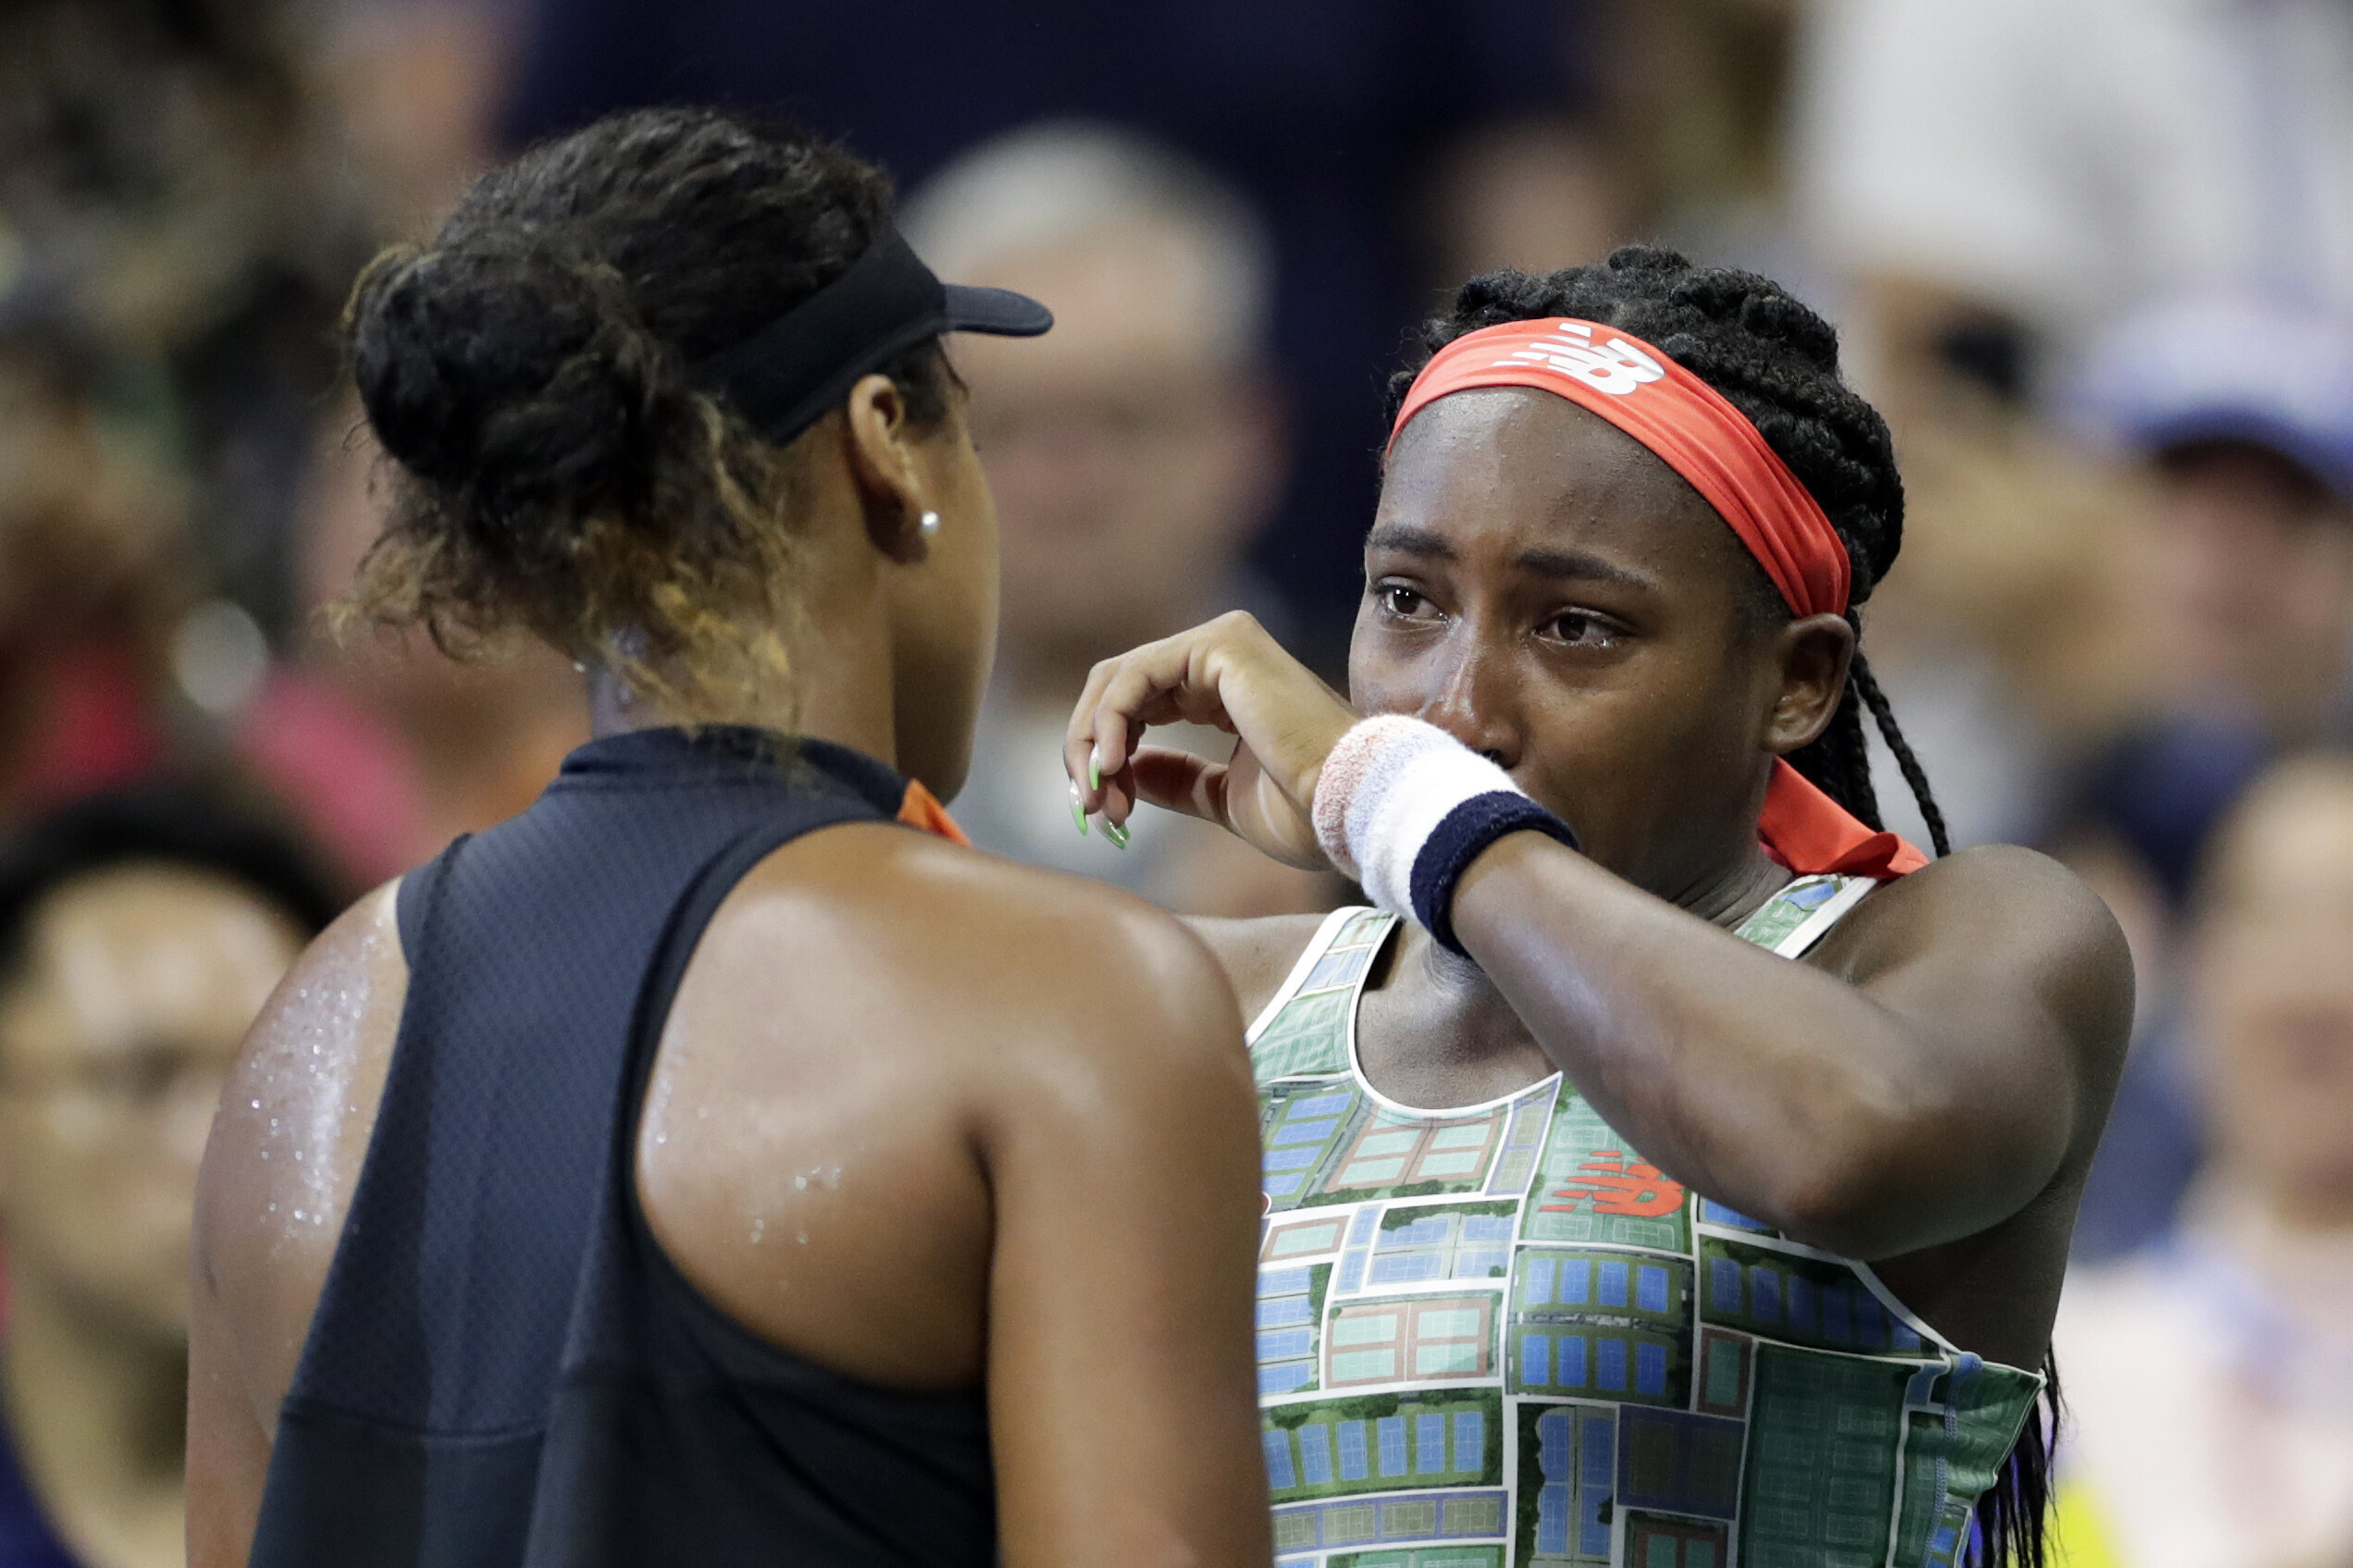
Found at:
[2094, 259]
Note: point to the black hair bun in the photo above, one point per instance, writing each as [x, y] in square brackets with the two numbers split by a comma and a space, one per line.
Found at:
[512, 374]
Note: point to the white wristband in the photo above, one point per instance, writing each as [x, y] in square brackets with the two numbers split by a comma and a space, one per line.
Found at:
[1404, 808]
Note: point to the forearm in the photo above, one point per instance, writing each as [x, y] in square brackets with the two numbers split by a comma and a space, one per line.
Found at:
[1770, 1086]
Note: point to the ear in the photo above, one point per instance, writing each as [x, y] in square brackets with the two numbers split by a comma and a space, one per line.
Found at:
[1812, 656]
[886, 468]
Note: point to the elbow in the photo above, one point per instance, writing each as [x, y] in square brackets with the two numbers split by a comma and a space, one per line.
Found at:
[1839, 1214]
[1852, 1190]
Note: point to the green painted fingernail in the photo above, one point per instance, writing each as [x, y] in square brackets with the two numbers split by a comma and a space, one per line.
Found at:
[1095, 770]
[1078, 814]
[1116, 833]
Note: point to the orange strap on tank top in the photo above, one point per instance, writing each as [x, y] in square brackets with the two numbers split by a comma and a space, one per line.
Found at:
[920, 809]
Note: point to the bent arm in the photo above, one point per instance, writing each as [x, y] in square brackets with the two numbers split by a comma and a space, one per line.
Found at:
[1124, 1172]
[1922, 1078]
[1962, 1041]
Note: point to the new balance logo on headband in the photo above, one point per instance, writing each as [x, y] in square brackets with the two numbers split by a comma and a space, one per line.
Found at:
[1617, 367]
[1690, 425]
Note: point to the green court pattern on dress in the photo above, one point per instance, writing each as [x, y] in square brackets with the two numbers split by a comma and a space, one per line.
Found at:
[1496, 1337]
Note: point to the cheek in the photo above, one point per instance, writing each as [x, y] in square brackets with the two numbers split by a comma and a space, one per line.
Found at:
[1657, 785]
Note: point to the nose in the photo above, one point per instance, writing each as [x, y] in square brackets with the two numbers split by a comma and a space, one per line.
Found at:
[1474, 701]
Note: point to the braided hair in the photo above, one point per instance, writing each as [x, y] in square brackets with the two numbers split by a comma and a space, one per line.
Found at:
[1776, 361]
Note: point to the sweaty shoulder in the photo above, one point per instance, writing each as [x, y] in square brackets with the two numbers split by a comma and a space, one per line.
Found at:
[1256, 955]
[291, 1136]
[2007, 916]
[976, 941]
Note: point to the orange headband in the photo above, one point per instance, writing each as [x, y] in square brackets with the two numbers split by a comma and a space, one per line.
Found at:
[1675, 415]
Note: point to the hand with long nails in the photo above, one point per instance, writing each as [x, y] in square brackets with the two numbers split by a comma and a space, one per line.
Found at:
[1228, 672]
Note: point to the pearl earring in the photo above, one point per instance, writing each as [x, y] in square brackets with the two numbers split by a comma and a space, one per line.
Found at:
[928, 526]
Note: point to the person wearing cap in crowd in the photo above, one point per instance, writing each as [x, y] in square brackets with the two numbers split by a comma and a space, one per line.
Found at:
[719, 1163]
[139, 932]
[2235, 413]
[2239, 410]
[1659, 1081]
[1134, 453]
[2210, 1375]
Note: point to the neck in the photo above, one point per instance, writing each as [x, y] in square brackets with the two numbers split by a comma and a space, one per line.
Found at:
[96, 1410]
[1736, 890]
[840, 691]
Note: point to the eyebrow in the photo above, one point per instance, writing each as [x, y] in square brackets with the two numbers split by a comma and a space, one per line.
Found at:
[1566, 566]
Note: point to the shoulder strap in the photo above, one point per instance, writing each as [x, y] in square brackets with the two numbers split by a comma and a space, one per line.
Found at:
[1800, 914]
[1318, 946]
[1851, 891]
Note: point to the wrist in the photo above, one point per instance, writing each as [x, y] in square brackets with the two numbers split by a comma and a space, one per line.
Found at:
[1405, 809]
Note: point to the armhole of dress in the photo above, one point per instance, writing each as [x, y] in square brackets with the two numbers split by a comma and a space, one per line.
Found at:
[1817, 925]
[1317, 945]
[690, 919]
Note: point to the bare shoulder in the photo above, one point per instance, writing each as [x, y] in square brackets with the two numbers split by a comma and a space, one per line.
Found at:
[1999, 916]
[2026, 899]
[291, 1134]
[1257, 955]
[333, 1017]
[977, 941]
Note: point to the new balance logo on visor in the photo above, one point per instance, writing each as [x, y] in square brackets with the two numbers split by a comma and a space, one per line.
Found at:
[1617, 367]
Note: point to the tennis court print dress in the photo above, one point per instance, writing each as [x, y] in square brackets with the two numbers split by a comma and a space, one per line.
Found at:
[1496, 1337]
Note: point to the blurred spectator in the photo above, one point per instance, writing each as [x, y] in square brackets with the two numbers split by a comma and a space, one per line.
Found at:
[176, 216]
[2002, 177]
[1993, 184]
[1133, 451]
[113, 663]
[417, 84]
[91, 559]
[139, 935]
[1998, 635]
[1333, 117]
[1702, 160]
[2244, 402]
[2238, 563]
[2211, 1379]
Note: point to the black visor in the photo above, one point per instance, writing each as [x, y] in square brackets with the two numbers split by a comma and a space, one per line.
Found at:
[784, 378]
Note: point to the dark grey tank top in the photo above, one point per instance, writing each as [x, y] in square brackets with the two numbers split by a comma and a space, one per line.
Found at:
[504, 1369]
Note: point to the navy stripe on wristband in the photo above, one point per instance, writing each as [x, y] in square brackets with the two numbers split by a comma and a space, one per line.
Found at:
[1458, 839]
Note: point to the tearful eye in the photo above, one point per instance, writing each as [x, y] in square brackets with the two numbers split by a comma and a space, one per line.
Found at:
[1579, 629]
